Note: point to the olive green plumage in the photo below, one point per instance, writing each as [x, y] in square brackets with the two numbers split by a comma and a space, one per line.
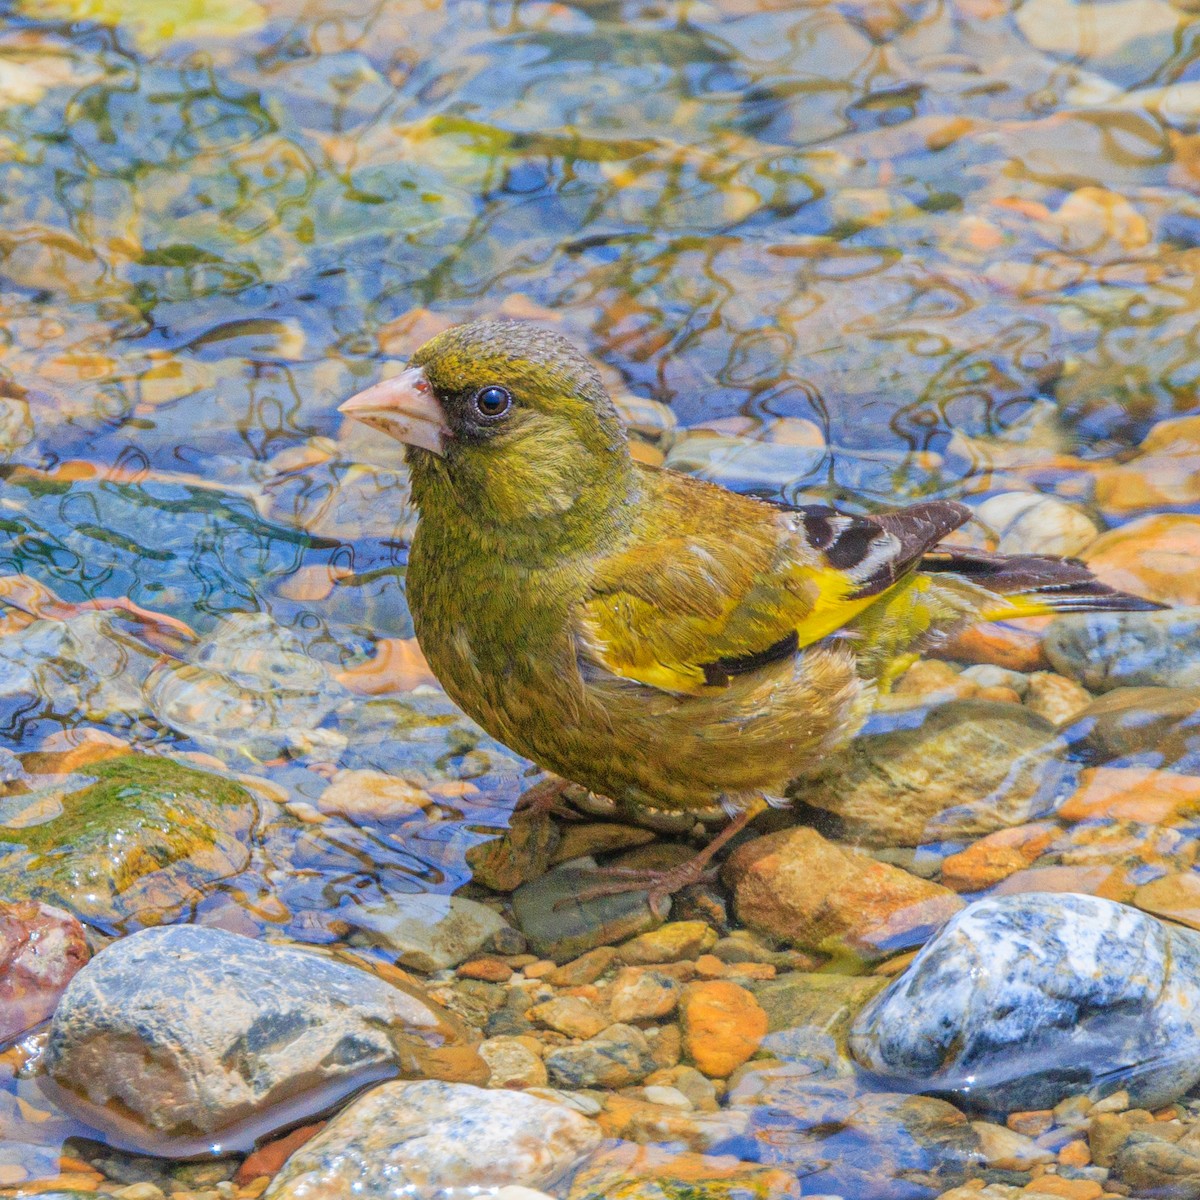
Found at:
[659, 639]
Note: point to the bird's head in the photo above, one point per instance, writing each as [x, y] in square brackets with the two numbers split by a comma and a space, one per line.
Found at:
[506, 420]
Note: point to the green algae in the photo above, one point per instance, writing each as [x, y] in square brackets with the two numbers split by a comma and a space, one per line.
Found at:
[145, 838]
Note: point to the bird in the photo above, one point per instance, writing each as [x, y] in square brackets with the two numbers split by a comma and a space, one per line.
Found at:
[658, 639]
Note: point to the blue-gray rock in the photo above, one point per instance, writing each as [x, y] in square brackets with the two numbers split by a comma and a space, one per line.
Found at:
[432, 1139]
[1024, 1000]
[180, 1039]
[1143, 649]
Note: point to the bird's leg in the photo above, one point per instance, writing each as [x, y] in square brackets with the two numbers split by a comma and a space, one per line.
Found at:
[545, 799]
[660, 884]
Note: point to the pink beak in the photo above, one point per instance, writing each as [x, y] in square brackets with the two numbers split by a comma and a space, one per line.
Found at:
[403, 407]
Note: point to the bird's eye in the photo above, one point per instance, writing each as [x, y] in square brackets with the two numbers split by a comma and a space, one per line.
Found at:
[493, 401]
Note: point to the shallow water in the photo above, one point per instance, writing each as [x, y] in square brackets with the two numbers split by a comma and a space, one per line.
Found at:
[882, 250]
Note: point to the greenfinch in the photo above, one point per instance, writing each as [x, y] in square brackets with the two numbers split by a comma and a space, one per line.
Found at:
[657, 639]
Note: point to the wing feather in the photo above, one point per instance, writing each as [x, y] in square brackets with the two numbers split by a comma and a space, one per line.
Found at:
[739, 584]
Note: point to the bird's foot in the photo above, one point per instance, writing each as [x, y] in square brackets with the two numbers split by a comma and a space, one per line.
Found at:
[658, 885]
[544, 799]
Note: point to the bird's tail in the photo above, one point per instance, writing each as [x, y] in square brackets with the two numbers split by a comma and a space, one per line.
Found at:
[1030, 585]
[952, 588]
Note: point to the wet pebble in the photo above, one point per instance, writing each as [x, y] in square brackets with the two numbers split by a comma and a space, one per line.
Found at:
[41, 949]
[561, 927]
[1164, 722]
[1153, 557]
[722, 1024]
[174, 1038]
[372, 796]
[1030, 523]
[1022, 1001]
[615, 1058]
[415, 1139]
[800, 888]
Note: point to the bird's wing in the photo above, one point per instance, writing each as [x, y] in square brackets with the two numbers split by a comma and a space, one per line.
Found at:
[741, 584]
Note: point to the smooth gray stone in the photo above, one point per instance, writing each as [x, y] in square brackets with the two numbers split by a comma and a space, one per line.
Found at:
[1137, 649]
[1022, 1001]
[181, 1040]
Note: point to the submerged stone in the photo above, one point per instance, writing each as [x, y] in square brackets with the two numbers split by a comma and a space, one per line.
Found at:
[416, 1139]
[143, 839]
[841, 1141]
[1161, 723]
[629, 1172]
[252, 687]
[1137, 649]
[180, 1039]
[953, 770]
[796, 886]
[87, 665]
[1024, 1000]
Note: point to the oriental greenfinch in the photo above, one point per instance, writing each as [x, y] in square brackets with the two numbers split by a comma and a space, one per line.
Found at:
[657, 639]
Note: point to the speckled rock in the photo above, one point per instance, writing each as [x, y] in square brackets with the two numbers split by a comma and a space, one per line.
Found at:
[615, 1058]
[954, 770]
[562, 927]
[514, 1062]
[426, 932]
[416, 1139]
[197, 1035]
[1024, 1000]
[1111, 650]
[143, 840]
[642, 994]
[41, 949]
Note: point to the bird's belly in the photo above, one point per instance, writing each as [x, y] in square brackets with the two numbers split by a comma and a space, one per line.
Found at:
[649, 748]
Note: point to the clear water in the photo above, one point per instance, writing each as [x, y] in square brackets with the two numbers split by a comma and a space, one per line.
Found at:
[949, 233]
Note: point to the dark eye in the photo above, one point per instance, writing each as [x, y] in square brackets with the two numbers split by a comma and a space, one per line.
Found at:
[493, 401]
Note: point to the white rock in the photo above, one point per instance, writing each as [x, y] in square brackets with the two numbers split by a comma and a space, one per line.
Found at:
[416, 1139]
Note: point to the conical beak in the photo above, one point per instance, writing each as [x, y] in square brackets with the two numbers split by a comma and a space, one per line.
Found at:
[404, 407]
